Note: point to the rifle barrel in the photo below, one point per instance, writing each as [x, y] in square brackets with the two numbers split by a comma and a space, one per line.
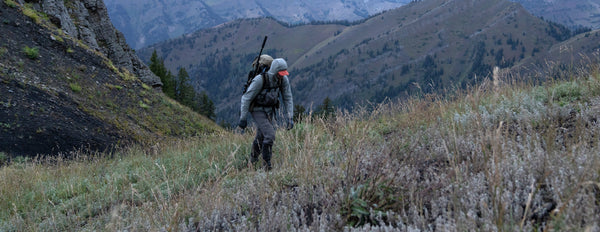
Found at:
[259, 54]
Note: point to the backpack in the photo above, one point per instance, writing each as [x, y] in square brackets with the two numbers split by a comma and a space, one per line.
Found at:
[252, 74]
[270, 97]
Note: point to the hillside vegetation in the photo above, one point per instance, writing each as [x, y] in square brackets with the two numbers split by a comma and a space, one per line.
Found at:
[578, 13]
[59, 95]
[145, 22]
[426, 46]
[499, 156]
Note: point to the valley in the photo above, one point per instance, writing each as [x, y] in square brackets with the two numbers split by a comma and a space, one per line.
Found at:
[421, 47]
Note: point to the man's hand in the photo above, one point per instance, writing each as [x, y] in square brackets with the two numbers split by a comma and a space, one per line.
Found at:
[243, 124]
[290, 124]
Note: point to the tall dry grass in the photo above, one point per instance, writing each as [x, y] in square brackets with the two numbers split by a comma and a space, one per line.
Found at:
[499, 156]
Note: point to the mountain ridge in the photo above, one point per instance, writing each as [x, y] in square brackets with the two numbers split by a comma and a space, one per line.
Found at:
[574, 14]
[150, 21]
[419, 47]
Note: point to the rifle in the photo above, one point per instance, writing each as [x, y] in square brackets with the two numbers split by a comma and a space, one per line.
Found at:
[260, 54]
[256, 70]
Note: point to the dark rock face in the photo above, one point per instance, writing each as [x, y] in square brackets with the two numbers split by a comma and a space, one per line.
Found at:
[36, 122]
[39, 112]
[78, 93]
[88, 21]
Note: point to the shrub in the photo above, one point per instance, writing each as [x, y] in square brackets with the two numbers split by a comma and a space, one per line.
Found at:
[3, 158]
[3, 51]
[31, 13]
[75, 87]
[10, 3]
[144, 105]
[567, 92]
[32, 53]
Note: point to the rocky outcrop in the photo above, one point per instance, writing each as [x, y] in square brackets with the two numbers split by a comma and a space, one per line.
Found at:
[88, 21]
[60, 97]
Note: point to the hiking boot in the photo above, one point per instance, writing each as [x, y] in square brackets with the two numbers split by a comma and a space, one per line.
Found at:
[266, 154]
[255, 152]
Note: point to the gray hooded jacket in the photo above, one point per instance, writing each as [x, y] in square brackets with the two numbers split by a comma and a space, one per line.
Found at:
[257, 86]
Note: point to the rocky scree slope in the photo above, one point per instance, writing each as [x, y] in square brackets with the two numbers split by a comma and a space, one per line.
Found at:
[62, 92]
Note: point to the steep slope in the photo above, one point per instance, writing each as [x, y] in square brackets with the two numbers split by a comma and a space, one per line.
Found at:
[506, 157]
[145, 22]
[563, 58]
[88, 21]
[573, 13]
[59, 94]
[423, 46]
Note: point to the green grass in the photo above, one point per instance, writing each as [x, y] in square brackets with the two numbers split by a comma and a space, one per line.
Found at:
[10, 3]
[3, 51]
[32, 53]
[75, 87]
[3, 159]
[33, 14]
[466, 162]
[146, 87]
[144, 105]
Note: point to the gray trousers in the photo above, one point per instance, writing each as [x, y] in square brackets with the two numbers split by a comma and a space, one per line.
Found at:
[265, 133]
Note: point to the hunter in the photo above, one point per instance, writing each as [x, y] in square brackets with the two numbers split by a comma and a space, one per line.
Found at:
[261, 100]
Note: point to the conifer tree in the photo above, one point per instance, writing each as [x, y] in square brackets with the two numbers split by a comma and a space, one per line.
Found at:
[326, 109]
[179, 88]
[184, 92]
[299, 112]
[157, 66]
[204, 105]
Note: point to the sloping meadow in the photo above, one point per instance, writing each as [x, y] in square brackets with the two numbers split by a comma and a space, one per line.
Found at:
[499, 156]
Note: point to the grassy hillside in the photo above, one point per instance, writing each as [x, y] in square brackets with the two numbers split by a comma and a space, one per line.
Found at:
[575, 13]
[498, 156]
[423, 46]
[146, 22]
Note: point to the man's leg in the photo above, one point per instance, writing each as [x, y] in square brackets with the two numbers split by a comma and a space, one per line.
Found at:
[265, 128]
[256, 147]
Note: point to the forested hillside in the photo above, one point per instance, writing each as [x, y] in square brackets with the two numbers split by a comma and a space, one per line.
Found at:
[572, 13]
[145, 22]
[422, 47]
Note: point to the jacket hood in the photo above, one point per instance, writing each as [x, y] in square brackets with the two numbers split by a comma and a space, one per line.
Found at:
[277, 65]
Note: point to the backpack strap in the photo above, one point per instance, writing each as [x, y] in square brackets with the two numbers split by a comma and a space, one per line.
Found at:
[266, 80]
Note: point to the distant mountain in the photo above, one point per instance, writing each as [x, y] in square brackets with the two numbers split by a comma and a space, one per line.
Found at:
[69, 82]
[573, 13]
[432, 45]
[145, 22]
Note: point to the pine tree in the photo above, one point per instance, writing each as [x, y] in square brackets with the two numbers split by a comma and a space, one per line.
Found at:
[184, 92]
[169, 84]
[204, 105]
[299, 112]
[157, 66]
[326, 109]
[179, 88]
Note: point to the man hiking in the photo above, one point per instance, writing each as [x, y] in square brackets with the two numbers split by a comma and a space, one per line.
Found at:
[261, 99]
